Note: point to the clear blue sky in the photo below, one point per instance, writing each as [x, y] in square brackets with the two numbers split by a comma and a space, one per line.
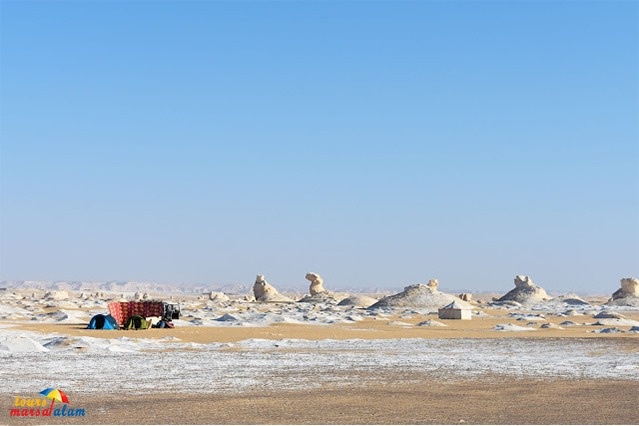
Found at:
[377, 143]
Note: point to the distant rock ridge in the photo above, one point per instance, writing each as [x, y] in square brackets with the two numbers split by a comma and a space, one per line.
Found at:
[525, 292]
[125, 287]
[627, 295]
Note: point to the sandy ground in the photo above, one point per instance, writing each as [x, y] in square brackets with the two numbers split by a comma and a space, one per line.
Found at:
[390, 396]
[300, 377]
[382, 328]
[492, 400]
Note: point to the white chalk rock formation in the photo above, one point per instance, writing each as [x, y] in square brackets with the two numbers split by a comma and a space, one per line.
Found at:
[571, 299]
[432, 283]
[627, 295]
[617, 321]
[358, 301]
[551, 325]
[318, 293]
[317, 283]
[20, 343]
[418, 296]
[525, 292]
[324, 297]
[466, 297]
[218, 297]
[264, 292]
[431, 323]
[56, 295]
[608, 314]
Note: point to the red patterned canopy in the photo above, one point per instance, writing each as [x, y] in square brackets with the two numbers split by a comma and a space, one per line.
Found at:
[122, 311]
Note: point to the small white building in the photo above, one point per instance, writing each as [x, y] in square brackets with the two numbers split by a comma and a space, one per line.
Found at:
[455, 310]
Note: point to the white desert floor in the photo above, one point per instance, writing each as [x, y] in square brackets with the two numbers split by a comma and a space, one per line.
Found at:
[243, 348]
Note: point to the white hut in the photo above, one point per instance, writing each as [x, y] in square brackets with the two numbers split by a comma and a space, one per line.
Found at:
[455, 310]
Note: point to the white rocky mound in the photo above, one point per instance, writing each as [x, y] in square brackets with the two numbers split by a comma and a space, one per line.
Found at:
[218, 297]
[56, 295]
[571, 299]
[19, 343]
[264, 292]
[525, 292]
[418, 296]
[358, 300]
[628, 294]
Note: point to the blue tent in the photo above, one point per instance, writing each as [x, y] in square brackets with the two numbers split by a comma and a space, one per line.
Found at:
[103, 322]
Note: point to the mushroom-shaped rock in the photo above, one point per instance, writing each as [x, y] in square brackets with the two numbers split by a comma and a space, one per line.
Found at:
[417, 296]
[358, 301]
[525, 292]
[317, 283]
[264, 292]
[628, 294]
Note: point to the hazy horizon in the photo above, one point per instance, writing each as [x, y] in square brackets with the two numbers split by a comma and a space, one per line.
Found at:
[375, 143]
[604, 290]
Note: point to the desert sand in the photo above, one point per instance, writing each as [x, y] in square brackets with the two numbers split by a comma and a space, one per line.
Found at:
[389, 327]
[231, 359]
[493, 400]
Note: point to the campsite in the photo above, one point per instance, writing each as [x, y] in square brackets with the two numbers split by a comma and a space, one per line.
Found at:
[133, 315]
[103, 322]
